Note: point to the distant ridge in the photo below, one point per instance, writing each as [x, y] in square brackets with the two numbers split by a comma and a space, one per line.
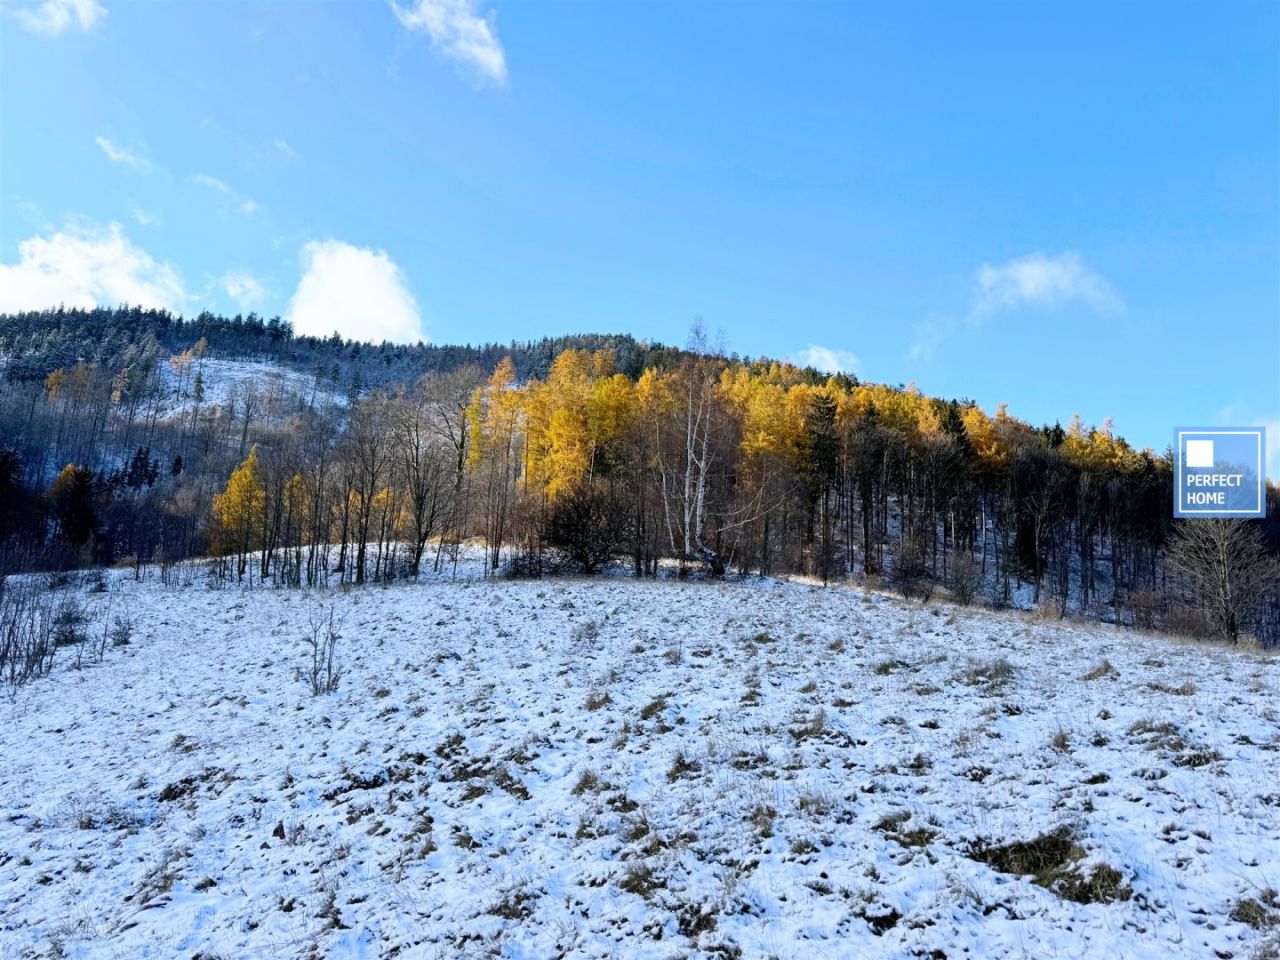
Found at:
[39, 342]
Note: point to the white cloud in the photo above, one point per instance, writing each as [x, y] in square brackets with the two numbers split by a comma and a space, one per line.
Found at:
[84, 266]
[144, 217]
[54, 17]
[827, 359]
[1034, 281]
[233, 197]
[458, 31]
[244, 288]
[357, 291]
[1037, 280]
[118, 154]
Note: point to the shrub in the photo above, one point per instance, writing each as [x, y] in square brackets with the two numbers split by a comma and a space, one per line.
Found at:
[966, 579]
[911, 575]
[121, 631]
[69, 624]
[26, 635]
[322, 642]
[525, 564]
[1145, 605]
[586, 528]
[1187, 621]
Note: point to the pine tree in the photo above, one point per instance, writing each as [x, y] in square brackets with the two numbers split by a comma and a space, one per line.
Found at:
[72, 497]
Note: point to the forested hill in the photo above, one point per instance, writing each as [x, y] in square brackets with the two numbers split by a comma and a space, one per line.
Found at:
[132, 435]
[38, 343]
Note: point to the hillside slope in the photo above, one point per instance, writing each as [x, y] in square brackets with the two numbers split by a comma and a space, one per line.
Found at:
[636, 769]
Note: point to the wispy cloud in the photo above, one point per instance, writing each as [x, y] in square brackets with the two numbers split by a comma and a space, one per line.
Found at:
[284, 149]
[144, 217]
[1036, 281]
[85, 266]
[118, 154]
[357, 291]
[254, 155]
[233, 198]
[827, 359]
[460, 32]
[242, 287]
[55, 17]
[1041, 281]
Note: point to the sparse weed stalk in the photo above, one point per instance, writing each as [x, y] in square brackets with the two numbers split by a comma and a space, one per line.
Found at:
[597, 700]
[640, 880]
[815, 803]
[620, 738]
[682, 767]
[812, 726]
[588, 782]
[654, 707]
[322, 643]
[990, 673]
[1262, 912]
[1185, 690]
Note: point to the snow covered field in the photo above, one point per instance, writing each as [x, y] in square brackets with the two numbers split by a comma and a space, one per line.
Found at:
[279, 391]
[637, 769]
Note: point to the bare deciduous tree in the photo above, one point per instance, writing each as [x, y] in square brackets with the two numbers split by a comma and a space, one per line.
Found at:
[1224, 566]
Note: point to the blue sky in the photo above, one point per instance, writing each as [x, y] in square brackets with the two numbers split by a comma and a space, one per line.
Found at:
[1067, 207]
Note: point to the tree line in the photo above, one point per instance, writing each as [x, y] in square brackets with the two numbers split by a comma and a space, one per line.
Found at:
[39, 342]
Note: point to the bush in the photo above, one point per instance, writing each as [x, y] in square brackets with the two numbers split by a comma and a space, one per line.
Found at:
[69, 624]
[911, 575]
[966, 579]
[586, 528]
[26, 635]
[526, 564]
[1188, 621]
[1145, 606]
[121, 632]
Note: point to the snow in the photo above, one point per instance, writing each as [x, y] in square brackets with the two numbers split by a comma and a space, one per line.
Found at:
[280, 390]
[189, 797]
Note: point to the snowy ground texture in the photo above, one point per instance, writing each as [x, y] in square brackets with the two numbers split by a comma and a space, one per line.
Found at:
[620, 769]
[280, 391]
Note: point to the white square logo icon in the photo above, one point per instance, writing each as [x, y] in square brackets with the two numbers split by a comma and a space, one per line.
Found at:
[1199, 453]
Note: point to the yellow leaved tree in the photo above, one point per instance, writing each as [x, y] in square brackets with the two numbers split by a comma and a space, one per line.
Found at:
[238, 512]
